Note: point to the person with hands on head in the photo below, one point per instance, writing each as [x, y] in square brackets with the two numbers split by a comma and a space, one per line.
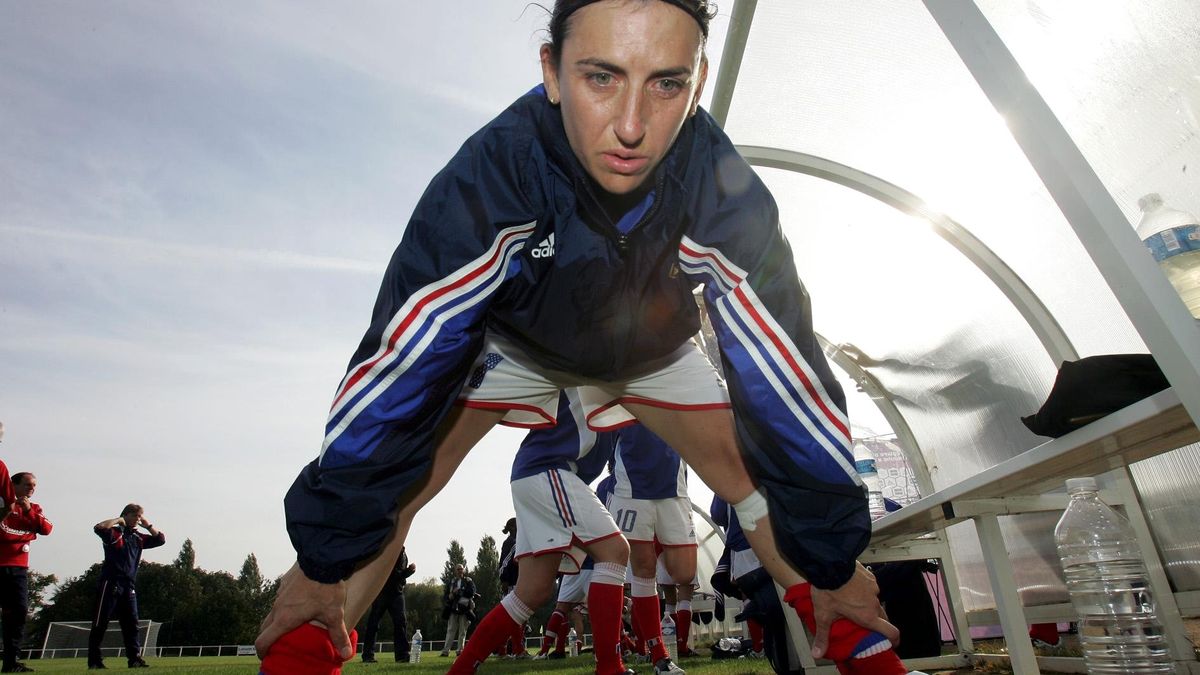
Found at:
[561, 247]
[123, 546]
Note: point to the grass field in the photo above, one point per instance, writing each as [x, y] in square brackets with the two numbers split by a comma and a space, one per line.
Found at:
[243, 665]
[430, 665]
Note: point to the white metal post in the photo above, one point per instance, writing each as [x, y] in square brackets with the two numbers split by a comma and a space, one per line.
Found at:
[1160, 585]
[1008, 603]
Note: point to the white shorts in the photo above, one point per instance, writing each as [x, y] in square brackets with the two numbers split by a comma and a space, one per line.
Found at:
[644, 520]
[574, 587]
[504, 378]
[742, 563]
[558, 512]
[663, 578]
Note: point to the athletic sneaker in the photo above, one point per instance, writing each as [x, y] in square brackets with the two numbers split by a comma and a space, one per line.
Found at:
[98, 665]
[137, 662]
[688, 653]
[541, 656]
[16, 667]
[668, 666]
[557, 655]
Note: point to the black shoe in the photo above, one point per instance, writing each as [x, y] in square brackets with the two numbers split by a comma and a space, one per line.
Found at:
[16, 667]
[368, 658]
[98, 665]
[138, 663]
[557, 655]
[401, 658]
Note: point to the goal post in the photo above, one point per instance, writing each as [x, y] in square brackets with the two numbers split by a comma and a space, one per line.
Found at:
[69, 639]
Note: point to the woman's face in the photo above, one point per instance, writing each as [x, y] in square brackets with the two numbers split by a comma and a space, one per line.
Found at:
[630, 73]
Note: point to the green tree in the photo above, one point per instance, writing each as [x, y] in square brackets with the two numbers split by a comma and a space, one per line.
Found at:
[455, 555]
[38, 583]
[250, 578]
[486, 575]
[258, 593]
[186, 559]
[73, 601]
[423, 609]
[195, 606]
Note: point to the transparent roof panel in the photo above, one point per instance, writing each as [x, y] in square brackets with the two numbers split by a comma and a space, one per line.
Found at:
[877, 87]
[959, 361]
[1124, 79]
[906, 110]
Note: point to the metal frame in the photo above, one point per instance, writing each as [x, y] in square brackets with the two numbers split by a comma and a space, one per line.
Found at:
[1026, 302]
[1153, 307]
[1156, 311]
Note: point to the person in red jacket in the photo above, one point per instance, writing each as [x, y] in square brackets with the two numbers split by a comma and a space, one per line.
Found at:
[22, 525]
[6, 486]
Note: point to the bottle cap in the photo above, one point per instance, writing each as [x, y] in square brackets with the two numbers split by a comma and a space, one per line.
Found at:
[1077, 484]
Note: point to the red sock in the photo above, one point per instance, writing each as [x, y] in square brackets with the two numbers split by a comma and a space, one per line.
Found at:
[645, 609]
[554, 627]
[682, 628]
[604, 608]
[492, 632]
[1046, 632]
[518, 639]
[560, 643]
[756, 634]
[639, 644]
[306, 650]
[883, 663]
[846, 638]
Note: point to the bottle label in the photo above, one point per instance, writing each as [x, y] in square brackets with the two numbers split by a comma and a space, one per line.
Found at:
[865, 466]
[1174, 241]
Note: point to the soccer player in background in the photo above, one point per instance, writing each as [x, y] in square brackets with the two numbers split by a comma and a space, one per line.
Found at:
[123, 546]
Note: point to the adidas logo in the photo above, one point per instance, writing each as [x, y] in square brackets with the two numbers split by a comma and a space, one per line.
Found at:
[544, 249]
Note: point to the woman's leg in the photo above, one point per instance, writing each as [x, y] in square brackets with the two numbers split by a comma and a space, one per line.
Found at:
[336, 606]
[707, 442]
[534, 585]
[606, 600]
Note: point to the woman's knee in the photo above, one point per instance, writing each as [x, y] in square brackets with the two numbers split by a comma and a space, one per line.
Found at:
[610, 550]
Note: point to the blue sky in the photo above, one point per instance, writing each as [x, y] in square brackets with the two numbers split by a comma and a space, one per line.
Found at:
[197, 201]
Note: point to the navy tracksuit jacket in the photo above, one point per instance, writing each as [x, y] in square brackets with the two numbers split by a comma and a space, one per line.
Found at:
[599, 305]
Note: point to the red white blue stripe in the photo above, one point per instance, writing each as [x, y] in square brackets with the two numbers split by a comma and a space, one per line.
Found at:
[415, 326]
[771, 352]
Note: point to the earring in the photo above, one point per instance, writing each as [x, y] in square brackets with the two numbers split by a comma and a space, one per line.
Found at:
[553, 101]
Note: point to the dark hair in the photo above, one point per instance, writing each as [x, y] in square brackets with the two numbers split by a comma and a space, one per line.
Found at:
[131, 508]
[701, 10]
[18, 478]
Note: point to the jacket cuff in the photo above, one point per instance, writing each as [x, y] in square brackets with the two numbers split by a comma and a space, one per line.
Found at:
[830, 576]
[325, 573]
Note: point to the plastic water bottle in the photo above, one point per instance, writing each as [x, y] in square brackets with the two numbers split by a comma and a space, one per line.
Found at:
[414, 652]
[1106, 576]
[669, 637]
[1173, 238]
[573, 639]
[864, 464]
